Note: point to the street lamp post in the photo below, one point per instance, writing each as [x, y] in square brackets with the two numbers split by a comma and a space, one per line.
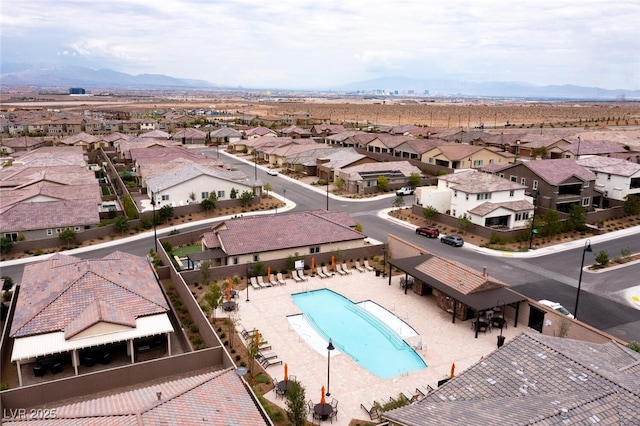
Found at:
[327, 192]
[587, 248]
[329, 349]
[255, 164]
[249, 273]
[155, 234]
[533, 220]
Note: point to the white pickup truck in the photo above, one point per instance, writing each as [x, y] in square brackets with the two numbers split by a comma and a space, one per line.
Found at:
[405, 190]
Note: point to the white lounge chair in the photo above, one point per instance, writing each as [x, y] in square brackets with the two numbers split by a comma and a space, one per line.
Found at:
[367, 266]
[294, 275]
[254, 283]
[345, 268]
[339, 270]
[261, 282]
[320, 273]
[272, 280]
[280, 279]
[302, 276]
[358, 267]
[326, 271]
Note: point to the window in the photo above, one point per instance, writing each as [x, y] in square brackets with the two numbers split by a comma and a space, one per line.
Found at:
[501, 175]
[522, 216]
[220, 194]
[58, 230]
[491, 161]
[523, 181]
[430, 160]
[585, 184]
[49, 231]
[256, 258]
[165, 198]
[315, 249]
[513, 178]
[477, 163]
[235, 260]
[453, 213]
[586, 201]
[455, 193]
[466, 197]
[608, 177]
[511, 193]
[87, 227]
[204, 195]
[12, 236]
[535, 185]
[483, 196]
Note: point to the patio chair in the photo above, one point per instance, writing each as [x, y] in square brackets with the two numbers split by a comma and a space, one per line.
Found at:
[345, 268]
[358, 267]
[272, 280]
[296, 278]
[424, 390]
[279, 392]
[339, 269]
[310, 405]
[302, 276]
[254, 283]
[371, 409]
[265, 363]
[320, 273]
[247, 334]
[280, 279]
[261, 282]
[367, 266]
[326, 271]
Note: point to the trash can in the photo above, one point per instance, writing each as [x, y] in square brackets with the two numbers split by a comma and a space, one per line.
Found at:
[500, 341]
[377, 272]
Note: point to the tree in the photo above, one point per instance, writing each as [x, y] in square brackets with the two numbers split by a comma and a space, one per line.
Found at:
[213, 298]
[207, 204]
[358, 227]
[383, 183]
[296, 403]
[205, 271]
[130, 208]
[192, 196]
[415, 179]
[429, 212]
[246, 197]
[464, 222]
[602, 258]
[233, 194]
[6, 244]
[165, 212]
[551, 224]
[339, 183]
[267, 187]
[8, 283]
[631, 205]
[121, 224]
[398, 202]
[253, 348]
[66, 236]
[576, 219]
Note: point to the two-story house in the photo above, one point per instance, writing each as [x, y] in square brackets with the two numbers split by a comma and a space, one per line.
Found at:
[615, 177]
[486, 199]
[560, 182]
[463, 156]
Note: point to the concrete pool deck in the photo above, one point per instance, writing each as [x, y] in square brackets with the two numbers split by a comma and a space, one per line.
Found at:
[443, 343]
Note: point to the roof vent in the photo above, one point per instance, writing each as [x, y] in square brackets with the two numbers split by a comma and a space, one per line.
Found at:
[564, 413]
[159, 395]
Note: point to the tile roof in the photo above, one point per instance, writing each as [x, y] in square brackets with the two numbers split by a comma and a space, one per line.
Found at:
[457, 151]
[515, 206]
[189, 133]
[60, 293]
[225, 132]
[462, 278]
[79, 137]
[403, 167]
[259, 234]
[179, 175]
[474, 182]
[52, 156]
[592, 147]
[157, 134]
[209, 397]
[614, 166]
[43, 191]
[22, 142]
[536, 379]
[259, 131]
[558, 170]
[60, 214]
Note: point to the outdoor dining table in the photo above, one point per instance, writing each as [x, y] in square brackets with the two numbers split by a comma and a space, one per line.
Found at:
[323, 410]
[229, 305]
[283, 385]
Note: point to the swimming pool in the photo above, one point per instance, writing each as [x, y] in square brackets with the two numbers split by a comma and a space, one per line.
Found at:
[359, 332]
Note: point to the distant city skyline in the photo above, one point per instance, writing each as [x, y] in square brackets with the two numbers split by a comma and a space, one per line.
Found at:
[299, 44]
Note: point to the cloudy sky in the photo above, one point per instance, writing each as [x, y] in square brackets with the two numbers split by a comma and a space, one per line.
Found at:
[327, 43]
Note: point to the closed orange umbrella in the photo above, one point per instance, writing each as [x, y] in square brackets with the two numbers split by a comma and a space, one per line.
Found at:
[453, 369]
[257, 338]
[268, 272]
[228, 289]
[333, 263]
[313, 263]
[322, 399]
[286, 372]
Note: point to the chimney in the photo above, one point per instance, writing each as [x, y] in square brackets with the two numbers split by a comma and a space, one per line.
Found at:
[159, 395]
[484, 271]
[564, 413]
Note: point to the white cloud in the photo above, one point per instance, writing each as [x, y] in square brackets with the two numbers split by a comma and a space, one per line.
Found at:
[304, 43]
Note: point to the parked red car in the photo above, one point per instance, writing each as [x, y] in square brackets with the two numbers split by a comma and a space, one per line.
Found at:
[428, 231]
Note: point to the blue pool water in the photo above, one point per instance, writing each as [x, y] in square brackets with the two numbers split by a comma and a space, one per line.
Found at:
[358, 333]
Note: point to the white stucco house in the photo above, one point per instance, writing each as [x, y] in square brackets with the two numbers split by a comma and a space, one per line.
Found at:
[487, 200]
[176, 187]
[615, 177]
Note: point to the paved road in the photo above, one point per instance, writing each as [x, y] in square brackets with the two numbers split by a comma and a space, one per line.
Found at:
[547, 273]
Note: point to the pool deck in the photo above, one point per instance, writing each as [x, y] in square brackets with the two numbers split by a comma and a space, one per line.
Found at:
[444, 343]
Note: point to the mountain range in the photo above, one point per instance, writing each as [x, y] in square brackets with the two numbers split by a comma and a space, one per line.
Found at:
[76, 76]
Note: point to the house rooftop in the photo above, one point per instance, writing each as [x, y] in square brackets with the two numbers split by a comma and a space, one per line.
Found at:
[474, 182]
[614, 166]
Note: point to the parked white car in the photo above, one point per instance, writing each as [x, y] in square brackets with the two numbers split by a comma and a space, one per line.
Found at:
[556, 307]
[272, 172]
[405, 190]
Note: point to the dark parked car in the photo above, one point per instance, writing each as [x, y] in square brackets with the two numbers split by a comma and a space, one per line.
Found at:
[452, 240]
[428, 231]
